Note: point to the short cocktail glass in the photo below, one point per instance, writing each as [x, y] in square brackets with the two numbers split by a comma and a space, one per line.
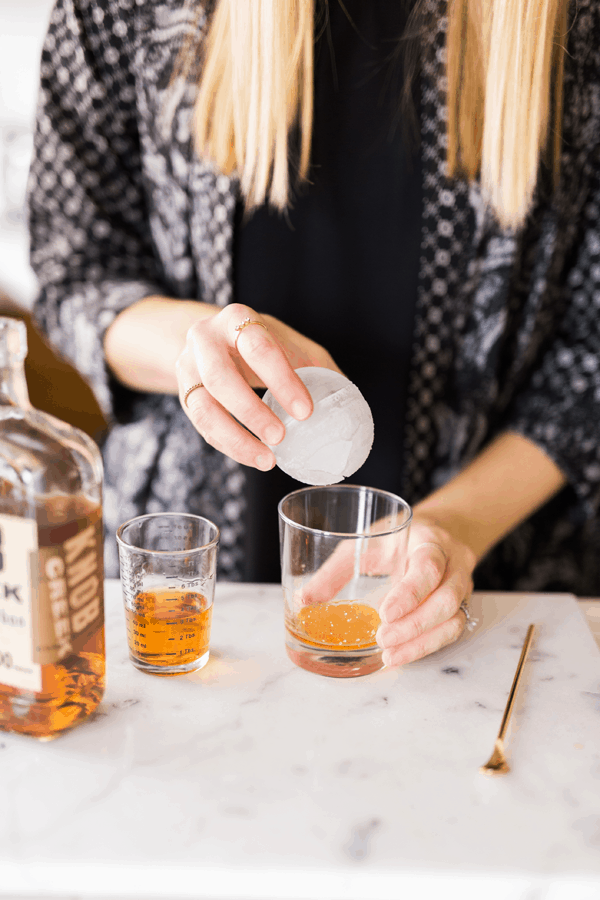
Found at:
[168, 567]
[341, 547]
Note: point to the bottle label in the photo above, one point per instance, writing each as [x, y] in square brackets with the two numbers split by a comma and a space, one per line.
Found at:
[51, 594]
[70, 596]
[18, 556]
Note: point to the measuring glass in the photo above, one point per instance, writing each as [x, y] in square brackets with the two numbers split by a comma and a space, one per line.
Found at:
[341, 547]
[168, 567]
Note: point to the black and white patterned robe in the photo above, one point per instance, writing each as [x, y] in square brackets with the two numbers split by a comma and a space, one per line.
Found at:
[507, 334]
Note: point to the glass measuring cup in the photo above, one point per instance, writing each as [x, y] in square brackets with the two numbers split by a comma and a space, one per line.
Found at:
[168, 567]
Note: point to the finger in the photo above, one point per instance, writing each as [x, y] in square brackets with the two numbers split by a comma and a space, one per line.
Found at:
[439, 607]
[377, 555]
[210, 349]
[426, 568]
[261, 351]
[214, 423]
[331, 576]
[427, 643]
[223, 433]
[187, 375]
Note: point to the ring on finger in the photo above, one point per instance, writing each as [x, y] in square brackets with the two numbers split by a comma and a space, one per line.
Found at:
[471, 621]
[433, 544]
[244, 324]
[189, 391]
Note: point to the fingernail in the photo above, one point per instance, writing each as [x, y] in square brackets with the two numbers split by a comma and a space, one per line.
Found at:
[273, 434]
[265, 462]
[300, 410]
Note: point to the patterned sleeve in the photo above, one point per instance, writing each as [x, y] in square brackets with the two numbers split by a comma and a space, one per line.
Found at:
[560, 409]
[90, 242]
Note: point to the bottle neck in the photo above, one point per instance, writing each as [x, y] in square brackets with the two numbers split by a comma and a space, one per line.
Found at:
[13, 349]
[13, 385]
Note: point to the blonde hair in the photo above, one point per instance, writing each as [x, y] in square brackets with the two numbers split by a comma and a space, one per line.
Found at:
[505, 61]
[505, 65]
[256, 86]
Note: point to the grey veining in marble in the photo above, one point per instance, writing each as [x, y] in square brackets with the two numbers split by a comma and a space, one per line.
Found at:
[255, 779]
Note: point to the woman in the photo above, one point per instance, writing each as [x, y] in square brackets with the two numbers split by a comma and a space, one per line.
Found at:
[490, 355]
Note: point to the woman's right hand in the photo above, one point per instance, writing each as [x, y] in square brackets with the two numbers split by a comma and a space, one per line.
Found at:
[229, 363]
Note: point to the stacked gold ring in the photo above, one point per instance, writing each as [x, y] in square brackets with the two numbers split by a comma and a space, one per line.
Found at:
[244, 324]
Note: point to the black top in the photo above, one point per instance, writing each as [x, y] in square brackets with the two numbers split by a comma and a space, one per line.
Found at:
[342, 265]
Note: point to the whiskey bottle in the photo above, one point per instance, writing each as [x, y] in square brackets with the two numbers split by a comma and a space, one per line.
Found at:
[52, 658]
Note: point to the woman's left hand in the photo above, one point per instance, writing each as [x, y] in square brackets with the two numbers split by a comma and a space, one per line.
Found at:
[421, 613]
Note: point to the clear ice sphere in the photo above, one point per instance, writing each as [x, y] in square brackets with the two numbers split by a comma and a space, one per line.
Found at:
[335, 440]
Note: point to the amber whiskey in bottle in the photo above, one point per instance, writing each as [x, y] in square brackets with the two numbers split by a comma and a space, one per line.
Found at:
[52, 659]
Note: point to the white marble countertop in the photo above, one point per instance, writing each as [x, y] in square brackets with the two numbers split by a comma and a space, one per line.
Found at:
[254, 779]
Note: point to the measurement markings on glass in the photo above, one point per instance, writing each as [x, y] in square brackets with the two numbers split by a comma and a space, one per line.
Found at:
[169, 623]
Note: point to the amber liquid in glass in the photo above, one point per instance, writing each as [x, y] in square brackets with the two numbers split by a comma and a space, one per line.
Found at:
[169, 627]
[342, 625]
[71, 690]
[73, 687]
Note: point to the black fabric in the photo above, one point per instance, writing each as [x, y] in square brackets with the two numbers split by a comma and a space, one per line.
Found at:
[347, 253]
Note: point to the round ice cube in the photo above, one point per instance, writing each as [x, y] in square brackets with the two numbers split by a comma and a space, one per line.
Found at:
[335, 440]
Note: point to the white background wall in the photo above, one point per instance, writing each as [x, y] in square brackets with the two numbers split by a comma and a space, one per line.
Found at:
[22, 28]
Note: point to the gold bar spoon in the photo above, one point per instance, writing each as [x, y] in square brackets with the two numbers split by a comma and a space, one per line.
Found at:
[497, 764]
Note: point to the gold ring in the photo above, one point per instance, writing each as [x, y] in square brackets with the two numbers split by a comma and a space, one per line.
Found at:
[244, 324]
[189, 391]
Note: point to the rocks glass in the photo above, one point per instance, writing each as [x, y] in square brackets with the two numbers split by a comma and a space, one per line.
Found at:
[341, 546]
